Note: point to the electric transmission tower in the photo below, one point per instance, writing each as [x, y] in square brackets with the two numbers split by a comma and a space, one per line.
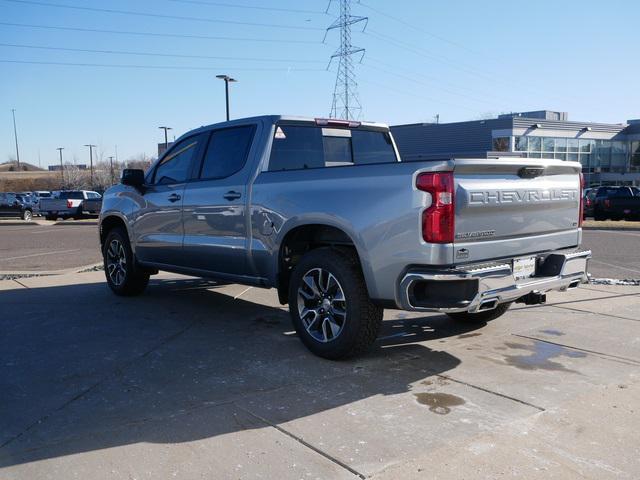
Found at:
[345, 93]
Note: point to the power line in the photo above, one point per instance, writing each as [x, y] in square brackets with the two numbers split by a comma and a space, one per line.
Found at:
[415, 27]
[155, 54]
[387, 88]
[410, 79]
[248, 7]
[158, 34]
[435, 80]
[161, 67]
[159, 15]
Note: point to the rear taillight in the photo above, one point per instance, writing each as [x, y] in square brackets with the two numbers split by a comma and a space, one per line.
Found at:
[580, 219]
[69, 204]
[607, 203]
[438, 220]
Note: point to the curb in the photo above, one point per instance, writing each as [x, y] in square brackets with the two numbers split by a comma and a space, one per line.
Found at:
[615, 229]
[46, 273]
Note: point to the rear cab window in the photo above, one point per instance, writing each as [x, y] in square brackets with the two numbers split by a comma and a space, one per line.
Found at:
[298, 147]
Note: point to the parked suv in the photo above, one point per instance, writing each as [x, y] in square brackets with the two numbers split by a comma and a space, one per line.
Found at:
[13, 206]
[325, 212]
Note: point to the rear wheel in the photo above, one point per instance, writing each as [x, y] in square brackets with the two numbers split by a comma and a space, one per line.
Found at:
[330, 306]
[123, 276]
[481, 317]
[27, 216]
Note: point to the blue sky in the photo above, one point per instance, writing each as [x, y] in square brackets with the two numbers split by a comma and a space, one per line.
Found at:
[460, 59]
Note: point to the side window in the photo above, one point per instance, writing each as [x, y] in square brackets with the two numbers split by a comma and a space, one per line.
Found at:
[296, 147]
[372, 147]
[11, 198]
[176, 165]
[227, 152]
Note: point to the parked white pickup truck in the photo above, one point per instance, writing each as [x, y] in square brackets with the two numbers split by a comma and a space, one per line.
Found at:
[71, 203]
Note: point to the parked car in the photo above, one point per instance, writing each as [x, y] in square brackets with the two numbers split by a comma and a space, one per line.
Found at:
[325, 212]
[12, 206]
[71, 203]
[588, 197]
[616, 203]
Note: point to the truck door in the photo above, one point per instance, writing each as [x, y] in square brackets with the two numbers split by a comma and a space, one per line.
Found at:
[215, 201]
[158, 228]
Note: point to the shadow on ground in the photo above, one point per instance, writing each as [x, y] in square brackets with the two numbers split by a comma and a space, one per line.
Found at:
[84, 370]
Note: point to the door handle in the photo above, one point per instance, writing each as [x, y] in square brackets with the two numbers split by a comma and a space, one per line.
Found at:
[232, 195]
[174, 197]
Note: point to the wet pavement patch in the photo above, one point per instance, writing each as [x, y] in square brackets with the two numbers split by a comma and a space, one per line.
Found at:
[541, 356]
[439, 403]
[551, 331]
[469, 335]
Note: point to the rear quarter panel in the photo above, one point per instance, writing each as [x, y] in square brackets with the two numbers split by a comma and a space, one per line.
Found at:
[378, 206]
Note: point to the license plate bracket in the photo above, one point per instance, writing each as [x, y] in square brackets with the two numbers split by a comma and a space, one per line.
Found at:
[524, 267]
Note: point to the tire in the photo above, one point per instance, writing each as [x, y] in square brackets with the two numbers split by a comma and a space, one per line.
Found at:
[599, 217]
[351, 325]
[78, 215]
[481, 317]
[27, 215]
[121, 272]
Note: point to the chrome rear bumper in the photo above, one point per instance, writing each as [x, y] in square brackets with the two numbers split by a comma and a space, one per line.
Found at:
[483, 287]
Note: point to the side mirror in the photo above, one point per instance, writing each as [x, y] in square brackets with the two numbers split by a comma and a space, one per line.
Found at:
[132, 177]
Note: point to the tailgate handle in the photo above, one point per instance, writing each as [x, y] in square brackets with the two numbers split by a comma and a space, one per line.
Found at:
[530, 172]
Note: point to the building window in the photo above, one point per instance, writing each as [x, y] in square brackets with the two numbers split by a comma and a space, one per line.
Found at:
[501, 144]
[603, 155]
[618, 156]
[635, 156]
[522, 144]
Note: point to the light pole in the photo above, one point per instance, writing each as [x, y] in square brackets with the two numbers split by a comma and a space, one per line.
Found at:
[111, 163]
[166, 140]
[91, 147]
[60, 149]
[15, 134]
[226, 79]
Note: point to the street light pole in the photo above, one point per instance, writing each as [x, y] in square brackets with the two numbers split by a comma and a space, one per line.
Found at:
[91, 147]
[15, 134]
[60, 149]
[111, 162]
[227, 79]
[166, 139]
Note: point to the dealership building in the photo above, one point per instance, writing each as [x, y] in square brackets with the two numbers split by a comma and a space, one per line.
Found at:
[609, 153]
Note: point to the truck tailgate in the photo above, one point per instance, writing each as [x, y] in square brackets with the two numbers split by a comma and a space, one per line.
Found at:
[510, 207]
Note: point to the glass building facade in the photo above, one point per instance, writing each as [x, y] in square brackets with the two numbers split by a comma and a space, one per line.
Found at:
[594, 155]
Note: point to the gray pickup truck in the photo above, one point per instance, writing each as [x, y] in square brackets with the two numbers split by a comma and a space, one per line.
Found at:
[327, 213]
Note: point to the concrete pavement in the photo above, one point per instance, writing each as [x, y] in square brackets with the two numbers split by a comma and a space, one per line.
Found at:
[195, 379]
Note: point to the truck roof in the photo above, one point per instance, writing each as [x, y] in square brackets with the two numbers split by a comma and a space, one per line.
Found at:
[274, 119]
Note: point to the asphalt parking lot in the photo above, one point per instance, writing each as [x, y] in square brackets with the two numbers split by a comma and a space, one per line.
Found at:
[48, 246]
[196, 380]
[616, 253]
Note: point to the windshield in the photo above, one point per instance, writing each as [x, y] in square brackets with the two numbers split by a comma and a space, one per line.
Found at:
[71, 195]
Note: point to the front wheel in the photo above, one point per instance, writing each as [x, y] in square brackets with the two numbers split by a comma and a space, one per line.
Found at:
[481, 317]
[123, 277]
[27, 216]
[330, 306]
